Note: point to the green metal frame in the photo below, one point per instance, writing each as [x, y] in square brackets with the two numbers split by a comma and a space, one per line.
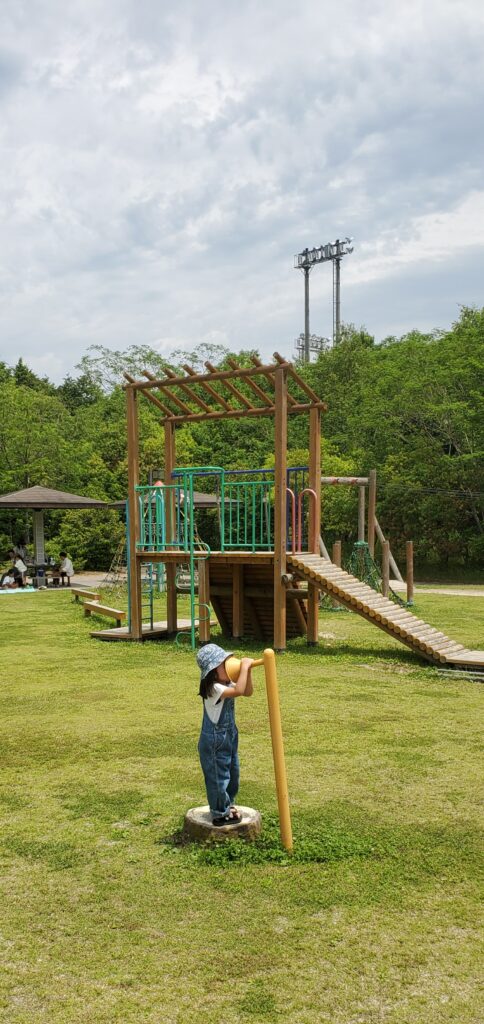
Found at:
[246, 525]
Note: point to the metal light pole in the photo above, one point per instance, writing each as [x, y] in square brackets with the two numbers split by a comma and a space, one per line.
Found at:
[307, 271]
[305, 261]
[336, 299]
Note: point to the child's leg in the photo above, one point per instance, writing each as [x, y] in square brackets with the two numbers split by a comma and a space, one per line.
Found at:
[216, 771]
[233, 786]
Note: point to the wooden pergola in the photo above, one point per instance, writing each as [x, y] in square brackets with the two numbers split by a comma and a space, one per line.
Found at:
[276, 390]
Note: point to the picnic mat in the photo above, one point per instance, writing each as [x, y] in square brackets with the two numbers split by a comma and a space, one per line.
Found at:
[21, 590]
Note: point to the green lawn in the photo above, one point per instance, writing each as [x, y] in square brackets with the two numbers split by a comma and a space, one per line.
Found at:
[105, 917]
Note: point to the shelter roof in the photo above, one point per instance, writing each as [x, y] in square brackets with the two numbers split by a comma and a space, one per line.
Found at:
[46, 497]
[238, 391]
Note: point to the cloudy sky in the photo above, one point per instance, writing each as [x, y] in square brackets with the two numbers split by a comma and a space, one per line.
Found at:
[162, 163]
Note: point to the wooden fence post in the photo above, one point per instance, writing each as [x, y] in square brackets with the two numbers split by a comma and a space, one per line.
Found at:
[371, 511]
[385, 567]
[409, 553]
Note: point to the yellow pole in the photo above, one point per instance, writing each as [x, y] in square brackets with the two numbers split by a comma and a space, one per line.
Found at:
[278, 748]
[232, 666]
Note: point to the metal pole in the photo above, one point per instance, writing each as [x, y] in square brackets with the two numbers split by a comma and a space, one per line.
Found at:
[306, 313]
[336, 301]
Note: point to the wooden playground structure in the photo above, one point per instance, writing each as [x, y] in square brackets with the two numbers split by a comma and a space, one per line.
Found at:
[265, 578]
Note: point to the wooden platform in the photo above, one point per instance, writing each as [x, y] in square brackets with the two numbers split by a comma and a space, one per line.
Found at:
[159, 631]
[426, 641]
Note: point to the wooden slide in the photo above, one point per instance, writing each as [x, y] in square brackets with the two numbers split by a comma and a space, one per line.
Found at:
[426, 641]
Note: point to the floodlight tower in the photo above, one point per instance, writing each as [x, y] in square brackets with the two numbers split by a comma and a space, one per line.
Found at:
[305, 261]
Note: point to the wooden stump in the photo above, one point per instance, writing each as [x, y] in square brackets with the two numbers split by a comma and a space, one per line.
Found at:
[198, 825]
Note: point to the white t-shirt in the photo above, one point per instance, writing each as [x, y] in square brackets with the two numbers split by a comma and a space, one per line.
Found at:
[214, 709]
[67, 567]
[21, 566]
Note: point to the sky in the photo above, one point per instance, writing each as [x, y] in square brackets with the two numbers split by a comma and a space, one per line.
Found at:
[162, 164]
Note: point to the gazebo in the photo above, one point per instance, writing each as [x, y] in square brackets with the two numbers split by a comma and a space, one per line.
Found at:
[41, 498]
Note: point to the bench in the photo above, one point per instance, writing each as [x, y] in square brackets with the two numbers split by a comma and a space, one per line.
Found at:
[102, 609]
[90, 594]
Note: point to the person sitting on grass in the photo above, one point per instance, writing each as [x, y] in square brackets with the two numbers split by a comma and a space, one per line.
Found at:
[11, 580]
[66, 569]
[18, 563]
[218, 743]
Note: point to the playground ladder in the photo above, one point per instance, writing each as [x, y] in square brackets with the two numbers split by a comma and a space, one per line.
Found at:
[422, 638]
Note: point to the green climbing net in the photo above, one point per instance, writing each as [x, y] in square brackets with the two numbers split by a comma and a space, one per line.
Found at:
[362, 565]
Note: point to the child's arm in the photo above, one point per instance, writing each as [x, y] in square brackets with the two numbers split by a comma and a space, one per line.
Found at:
[249, 689]
[243, 686]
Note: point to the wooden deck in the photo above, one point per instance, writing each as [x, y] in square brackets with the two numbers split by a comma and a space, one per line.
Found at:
[159, 631]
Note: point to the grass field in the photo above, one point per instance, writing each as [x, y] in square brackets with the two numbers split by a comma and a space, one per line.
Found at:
[106, 918]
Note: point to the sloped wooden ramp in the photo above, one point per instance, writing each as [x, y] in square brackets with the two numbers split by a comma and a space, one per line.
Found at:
[426, 641]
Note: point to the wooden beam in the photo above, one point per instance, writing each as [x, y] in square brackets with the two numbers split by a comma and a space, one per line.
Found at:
[221, 616]
[245, 371]
[238, 600]
[133, 507]
[151, 398]
[297, 606]
[252, 384]
[211, 391]
[280, 483]
[170, 529]
[240, 413]
[233, 390]
[371, 511]
[187, 390]
[254, 618]
[299, 380]
[174, 398]
[270, 376]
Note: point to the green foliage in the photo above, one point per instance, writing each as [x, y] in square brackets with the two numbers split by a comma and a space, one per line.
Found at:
[90, 537]
[412, 408]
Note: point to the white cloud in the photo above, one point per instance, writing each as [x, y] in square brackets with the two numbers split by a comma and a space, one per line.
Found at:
[161, 166]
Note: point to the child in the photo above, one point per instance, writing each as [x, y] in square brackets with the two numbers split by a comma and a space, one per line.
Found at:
[66, 569]
[19, 564]
[218, 743]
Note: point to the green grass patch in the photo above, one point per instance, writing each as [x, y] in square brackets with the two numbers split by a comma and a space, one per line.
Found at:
[108, 916]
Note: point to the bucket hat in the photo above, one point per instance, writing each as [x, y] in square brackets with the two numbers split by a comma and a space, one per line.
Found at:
[210, 657]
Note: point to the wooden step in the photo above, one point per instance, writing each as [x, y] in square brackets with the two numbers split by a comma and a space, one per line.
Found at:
[103, 609]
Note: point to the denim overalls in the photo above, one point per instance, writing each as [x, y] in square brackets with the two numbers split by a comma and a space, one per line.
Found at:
[218, 749]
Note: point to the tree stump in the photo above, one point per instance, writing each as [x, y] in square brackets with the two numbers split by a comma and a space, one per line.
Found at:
[198, 825]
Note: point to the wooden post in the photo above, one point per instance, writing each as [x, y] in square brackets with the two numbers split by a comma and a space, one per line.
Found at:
[336, 554]
[393, 564]
[336, 560]
[361, 512]
[280, 483]
[278, 748]
[133, 506]
[170, 528]
[314, 482]
[409, 553]
[371, 511]
[237, 600]
[385, 567]
[203, 600]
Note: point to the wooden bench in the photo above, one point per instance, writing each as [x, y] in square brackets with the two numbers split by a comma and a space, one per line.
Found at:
[102, 609]
[89, 594]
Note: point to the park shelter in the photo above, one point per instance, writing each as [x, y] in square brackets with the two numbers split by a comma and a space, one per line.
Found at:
[40, 499]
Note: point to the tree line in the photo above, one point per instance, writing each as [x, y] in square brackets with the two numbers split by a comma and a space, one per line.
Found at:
[411, 407]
